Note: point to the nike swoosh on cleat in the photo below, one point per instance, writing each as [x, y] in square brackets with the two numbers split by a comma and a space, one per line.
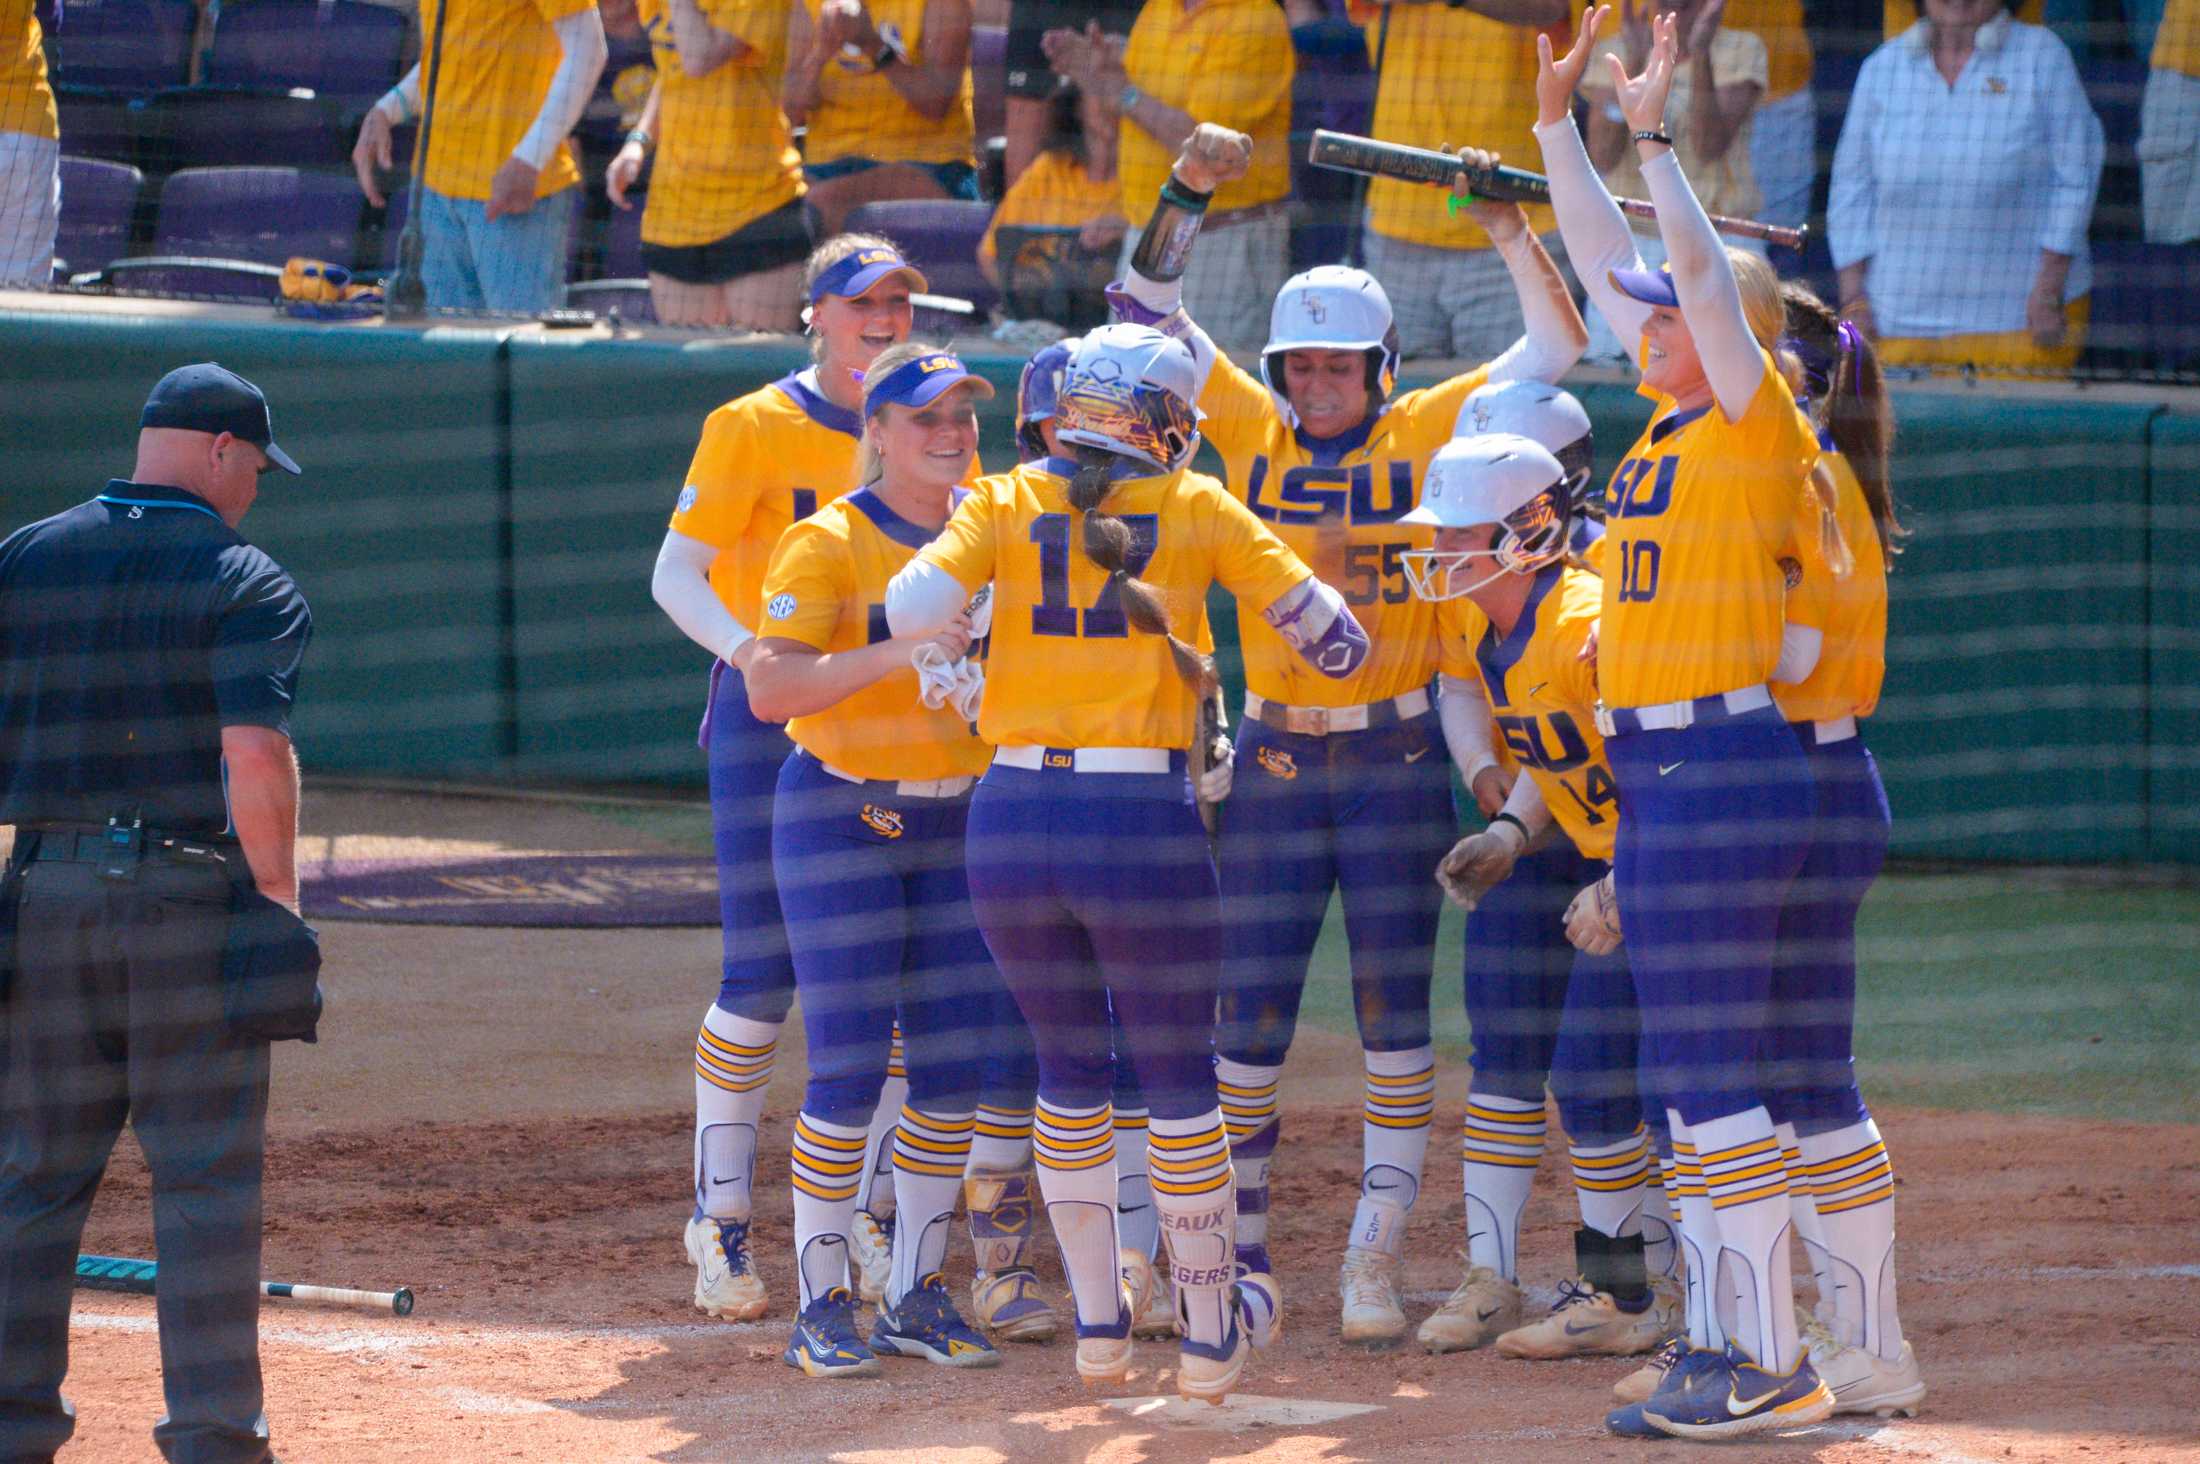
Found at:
[1663, 769]
[1483, 1316]
[1574, 1331]
[1740, 1407]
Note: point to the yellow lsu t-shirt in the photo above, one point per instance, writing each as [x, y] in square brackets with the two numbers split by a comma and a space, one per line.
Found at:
[860, 115]
[1450, 76]
[1065, 667]
[766, 460]
[1543, 697]
[725, 154]
[1850, 612]
[26, 101]
[1697, 519]
[1229, 61]
[1779, 24]
[498, 58]
[827, 589]
[1055, 192]
[2177, 43]
[1338, 510]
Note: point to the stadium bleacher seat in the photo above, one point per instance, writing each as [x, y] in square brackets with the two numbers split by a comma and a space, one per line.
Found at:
[226, 232]
[343, 51]
[238, 127]
[99, 202]
[940, 237]
[131, 46]
[989, 80]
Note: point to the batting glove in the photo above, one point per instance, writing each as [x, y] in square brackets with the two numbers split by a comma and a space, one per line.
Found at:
[1592, 920]
[1479, 861]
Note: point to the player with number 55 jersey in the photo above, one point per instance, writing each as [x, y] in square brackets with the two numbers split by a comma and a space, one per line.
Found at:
[1089, 868]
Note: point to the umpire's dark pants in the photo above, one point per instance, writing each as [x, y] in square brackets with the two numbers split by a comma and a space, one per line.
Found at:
[115, 1012]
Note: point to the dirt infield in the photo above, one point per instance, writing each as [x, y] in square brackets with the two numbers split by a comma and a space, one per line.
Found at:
[499, 1119]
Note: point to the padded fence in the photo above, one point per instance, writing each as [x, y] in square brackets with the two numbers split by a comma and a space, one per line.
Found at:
[482, 511]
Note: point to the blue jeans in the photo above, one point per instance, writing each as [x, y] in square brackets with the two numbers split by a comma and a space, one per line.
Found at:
[515, 266]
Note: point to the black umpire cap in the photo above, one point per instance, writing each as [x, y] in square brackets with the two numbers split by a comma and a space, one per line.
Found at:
[213, 399]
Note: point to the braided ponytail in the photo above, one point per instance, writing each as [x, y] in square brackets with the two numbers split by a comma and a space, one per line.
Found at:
[1107, 543]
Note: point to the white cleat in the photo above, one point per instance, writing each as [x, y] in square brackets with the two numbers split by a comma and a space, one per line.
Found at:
[1104, 1362]
[725, 1286]
[1373, 1312]
[1158, 1319]
[1484, 1306]
[1589, 1323]
[1862, 1382]
[871, 1247]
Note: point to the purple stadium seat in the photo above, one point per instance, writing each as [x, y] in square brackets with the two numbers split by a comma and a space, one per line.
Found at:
[124, 45]
[940, 237]
[238, 127]
[989, 80]
[265, 215]
[98, 202]
[341, 49]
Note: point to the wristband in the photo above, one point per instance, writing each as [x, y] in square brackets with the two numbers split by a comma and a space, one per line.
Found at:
[1179, 195]
[640, 139]
[1649, 135]
[1503, 817]
[396, 95]
[1129, 97]
[886, 57]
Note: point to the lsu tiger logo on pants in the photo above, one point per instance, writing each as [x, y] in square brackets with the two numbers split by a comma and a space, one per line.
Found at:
[882, 821]
[1278, 763]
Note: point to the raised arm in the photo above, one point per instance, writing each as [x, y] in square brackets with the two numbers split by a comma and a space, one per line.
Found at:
[1595, 231]
[1703, 277]
[1555, 335]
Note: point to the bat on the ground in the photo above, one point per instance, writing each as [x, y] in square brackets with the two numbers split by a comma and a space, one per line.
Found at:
[1349, 153]
[120, 1273]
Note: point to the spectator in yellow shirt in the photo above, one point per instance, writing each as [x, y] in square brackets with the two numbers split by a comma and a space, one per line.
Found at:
[723, 235]
[2169, 129]
[1069, 186]
[1031, 82]
[1192, 61]
[884, 88]
[30, 152]
[1462, 75]
[1783, 132]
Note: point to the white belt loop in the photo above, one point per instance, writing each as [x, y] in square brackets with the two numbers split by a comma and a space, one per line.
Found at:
[1838, 729]
[1085, 759]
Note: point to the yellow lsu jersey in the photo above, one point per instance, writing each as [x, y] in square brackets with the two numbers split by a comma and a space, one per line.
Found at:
[1698, 518]
[1065, 667]
[1849, 611]
[860, 115]
[767, 460]
[725, 154]
[498, 58]
[827, 589]
[26, 100]
[1543, 697]
[1338, 508]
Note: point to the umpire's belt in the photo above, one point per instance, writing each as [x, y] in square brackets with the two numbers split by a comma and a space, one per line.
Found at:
[91, 844]
[1084, 759]
[1672, 716]
[905, 787]
[1321, 721]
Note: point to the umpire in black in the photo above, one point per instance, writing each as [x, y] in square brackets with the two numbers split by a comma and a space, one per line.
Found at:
[148, 664]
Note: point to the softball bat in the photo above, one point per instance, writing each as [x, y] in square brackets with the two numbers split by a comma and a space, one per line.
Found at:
[1349, 153]
[121, 1273]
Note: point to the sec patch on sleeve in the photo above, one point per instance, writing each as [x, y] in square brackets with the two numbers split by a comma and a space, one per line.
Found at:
[781, 607]
[687, 500]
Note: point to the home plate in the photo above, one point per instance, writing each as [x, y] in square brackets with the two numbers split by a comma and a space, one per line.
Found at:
[1241, 1411]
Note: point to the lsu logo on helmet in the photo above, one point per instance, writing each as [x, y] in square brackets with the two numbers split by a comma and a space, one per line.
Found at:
[884, 822]
[1277, 763]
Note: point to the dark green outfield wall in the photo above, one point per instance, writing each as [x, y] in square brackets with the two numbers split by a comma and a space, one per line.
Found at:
[480, 517]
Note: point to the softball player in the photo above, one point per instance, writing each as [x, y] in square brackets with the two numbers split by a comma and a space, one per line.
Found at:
[1346, 787]
[1089, 867]
[766, 460]
[1539, 1009]
[1715, 794]
[1842, 1179]
[867, 851]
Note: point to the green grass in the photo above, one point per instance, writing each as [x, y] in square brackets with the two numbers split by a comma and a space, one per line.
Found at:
[2009, 992]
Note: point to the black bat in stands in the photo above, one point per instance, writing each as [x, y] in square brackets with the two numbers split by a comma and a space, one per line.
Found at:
[1348, 153]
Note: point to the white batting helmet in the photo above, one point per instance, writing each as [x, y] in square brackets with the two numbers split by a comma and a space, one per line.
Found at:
[1134, 391]
[1542, 413]
[1501, 478]
[1332, 307]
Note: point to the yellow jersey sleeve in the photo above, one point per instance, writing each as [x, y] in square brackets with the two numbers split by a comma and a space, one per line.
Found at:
[806, 585]
[1250, 561]
[1240, 413]
[965, 548]
[1852, 657]
[26, 99]
[1432, 411]
[720, 492]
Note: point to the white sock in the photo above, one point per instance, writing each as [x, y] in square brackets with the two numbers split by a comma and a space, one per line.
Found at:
[1248, 1096]
[1192, 1192]
[1137, 1224]
[1075, 1148]
[931, 1150]
[1611, 1183]
[1000, 1140]
[826, 1163]
[1852, 1184]
[877, 1192]
[1803, 1214]
[1747, 1181]
[1401, 1095]
[1499, 1143]
[1698, 1239]
[733, 1066]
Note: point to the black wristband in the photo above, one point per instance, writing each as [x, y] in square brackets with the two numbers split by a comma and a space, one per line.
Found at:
[1503, 817]
[1177, 195]
[886, 57]
[1648, 135]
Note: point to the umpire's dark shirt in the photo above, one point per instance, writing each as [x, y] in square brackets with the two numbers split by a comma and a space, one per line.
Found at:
[133, 628]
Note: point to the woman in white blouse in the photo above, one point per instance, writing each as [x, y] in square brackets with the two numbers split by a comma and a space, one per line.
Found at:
[1962, 188]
